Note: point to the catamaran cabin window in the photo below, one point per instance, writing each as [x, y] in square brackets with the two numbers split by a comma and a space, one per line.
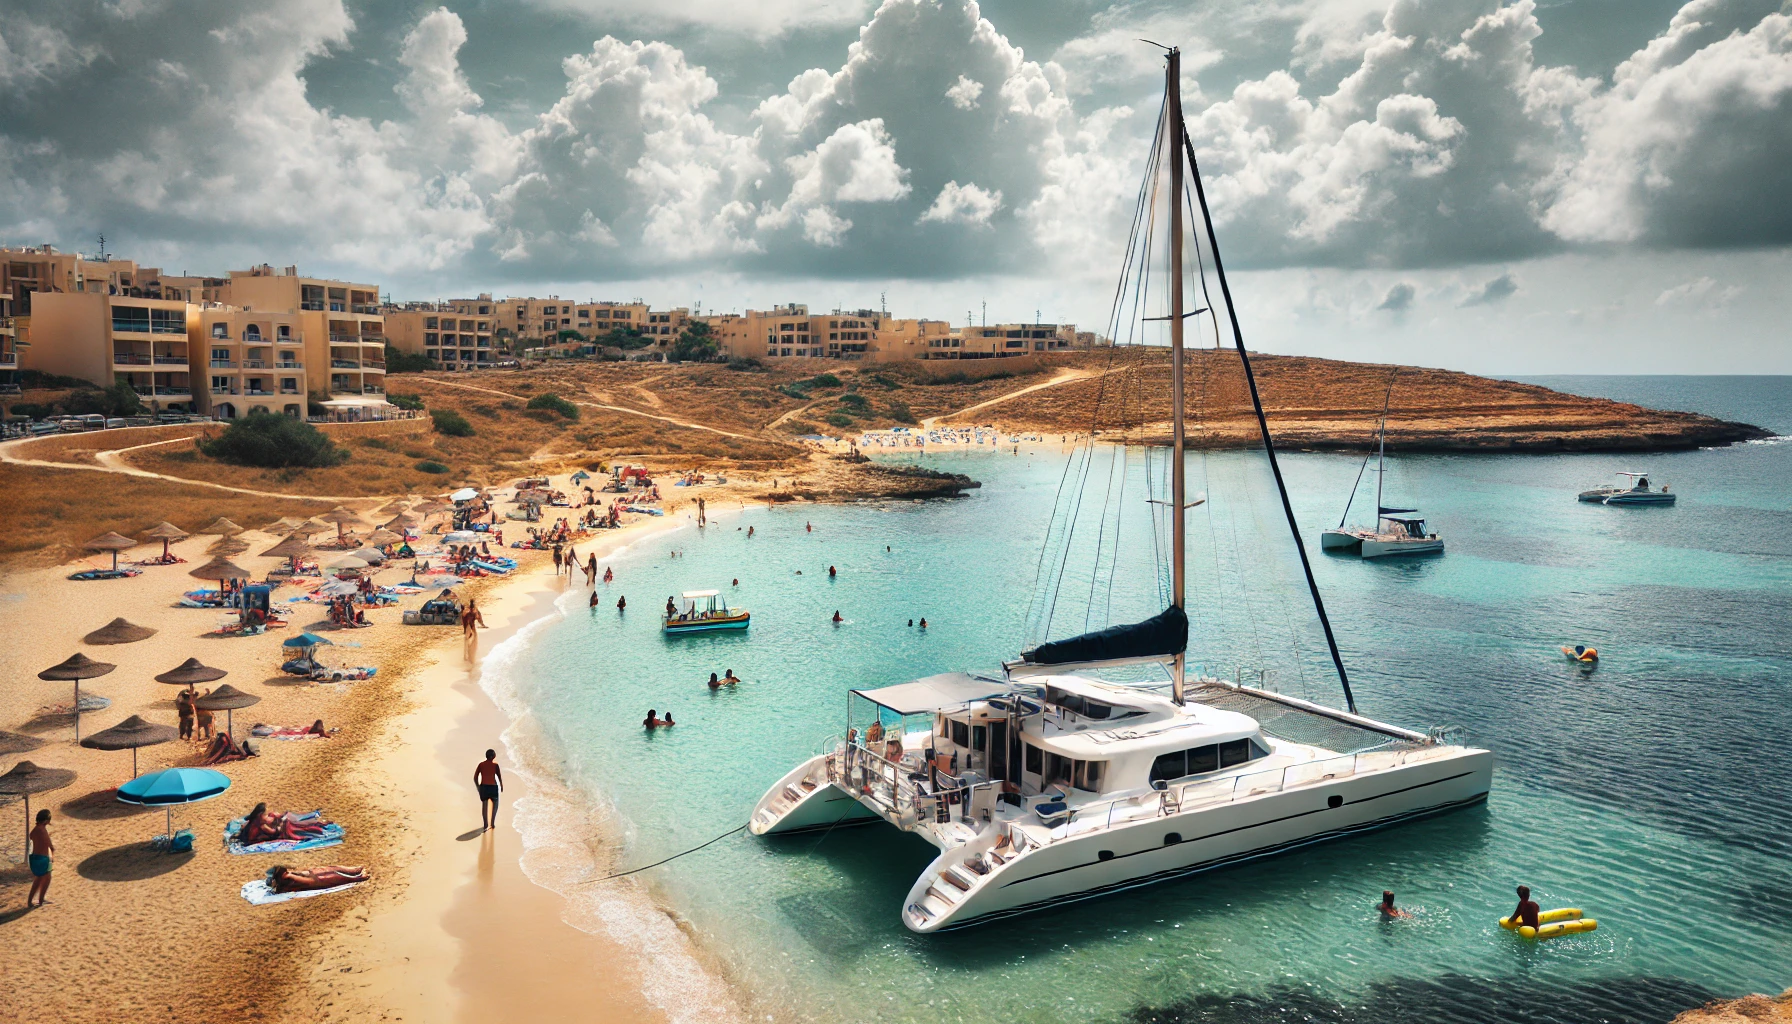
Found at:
[979, 737]
[1057, 769]
[1087, 775]
[1035, 759]
[961, 734]
[1199, 760]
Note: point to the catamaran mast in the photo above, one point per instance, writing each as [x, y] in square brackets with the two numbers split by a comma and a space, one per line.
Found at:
[1173, 110]
[1381, 466]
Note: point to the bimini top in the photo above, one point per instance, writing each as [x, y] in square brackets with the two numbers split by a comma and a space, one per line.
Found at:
[934, 693]
[1404, 519]
[690, 595]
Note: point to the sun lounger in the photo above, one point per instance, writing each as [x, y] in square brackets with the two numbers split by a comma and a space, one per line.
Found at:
[261, 894]
[332, 836]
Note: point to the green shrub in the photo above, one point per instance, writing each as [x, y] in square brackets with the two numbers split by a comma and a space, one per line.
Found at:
[695, 345]
[900, 413]
[839, 419]
[430, 466]
[411, 402]
[745, 364]
[485, 410]
[33, 410]
[404, 362]
[38, 380]
[118, 400]
[271, 441]
[796, 391]
[451, 423]
[554, 403]
[855, 403]
[824, 380]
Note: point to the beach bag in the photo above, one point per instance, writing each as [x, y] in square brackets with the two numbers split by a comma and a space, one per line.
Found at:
[182, 842]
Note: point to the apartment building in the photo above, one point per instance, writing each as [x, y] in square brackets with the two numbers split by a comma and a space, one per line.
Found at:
[343, 330]
[456, 338]
[546, 318]
[9, 345]
[103, 338]
[1003, 341]
[247, 360]
[791, 331]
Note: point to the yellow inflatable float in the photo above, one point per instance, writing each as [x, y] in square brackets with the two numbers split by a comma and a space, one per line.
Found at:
[1552, 923]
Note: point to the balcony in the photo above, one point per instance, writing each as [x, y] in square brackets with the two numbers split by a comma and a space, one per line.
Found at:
[375, 367]
[223, 391]
[286, 341]
[344, 364]
[222, 364]
[129, 359]
[371, 389]
[316, 304]
[257, 392]
[289, 366]
[171, 391]
[167, 360]
[252, 364]
[289, 391]
[345, 339]
[365, 308]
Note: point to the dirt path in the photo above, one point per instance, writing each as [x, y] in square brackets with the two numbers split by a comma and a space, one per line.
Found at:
[594, 405]
[1062, 377]
[109, 462]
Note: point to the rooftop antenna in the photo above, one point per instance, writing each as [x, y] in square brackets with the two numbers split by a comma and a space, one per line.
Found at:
[986, 312]
[102, 248]
[883, 303]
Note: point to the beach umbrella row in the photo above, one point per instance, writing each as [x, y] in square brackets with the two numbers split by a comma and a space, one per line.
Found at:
[78, 667]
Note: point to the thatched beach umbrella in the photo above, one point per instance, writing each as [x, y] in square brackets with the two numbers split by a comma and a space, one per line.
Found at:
[219, 568]
[430, 508]
[293, 548]
[283, 526]
[226, 698]
[341, 517]
[393, 507]
[118, 631]
[110, 542]
[369, 554]
[227, 546]
[383, 537]
[346, 563]
[405, 521]
[310, 528]
[131, 733]
[222, 527]
[190, 673]
[26, 779]
[77, 667]
[18, 743]
[165, 532]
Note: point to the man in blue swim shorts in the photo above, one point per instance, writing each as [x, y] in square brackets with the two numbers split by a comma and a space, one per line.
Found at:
[41, 850]
[490, 781]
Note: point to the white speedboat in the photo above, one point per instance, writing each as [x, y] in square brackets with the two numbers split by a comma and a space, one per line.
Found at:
[1635, 491]
[1047, 784]
[1402, 535]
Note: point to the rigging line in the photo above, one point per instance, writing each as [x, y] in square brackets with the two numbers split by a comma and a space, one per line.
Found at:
[1367, 456]
[1219, 269]
[1152, 169]
[1140, 214]
[657, 863]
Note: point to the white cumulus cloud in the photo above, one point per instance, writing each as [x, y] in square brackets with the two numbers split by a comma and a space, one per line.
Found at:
[964, 204]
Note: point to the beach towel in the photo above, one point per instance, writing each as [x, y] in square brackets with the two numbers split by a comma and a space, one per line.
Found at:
[259, 893]
[332, 836]
[489, 567]
[286, 732]
[106, 574]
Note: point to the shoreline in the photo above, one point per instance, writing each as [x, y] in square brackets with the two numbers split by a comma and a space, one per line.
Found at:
[483, 918]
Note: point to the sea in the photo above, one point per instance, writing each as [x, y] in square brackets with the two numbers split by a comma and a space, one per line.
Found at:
[1651, 791]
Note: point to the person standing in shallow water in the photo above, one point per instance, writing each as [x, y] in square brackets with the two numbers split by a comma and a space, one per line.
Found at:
[488, 778]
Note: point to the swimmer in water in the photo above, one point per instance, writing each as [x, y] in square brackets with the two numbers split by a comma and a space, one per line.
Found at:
[831, 572]
[729, 677]
[622, 603]
[837, 619]
[808, 527]
[714, 681]
[609, 574]
[923, 623]
[594, 599]
[1389, 912]
[737, 582]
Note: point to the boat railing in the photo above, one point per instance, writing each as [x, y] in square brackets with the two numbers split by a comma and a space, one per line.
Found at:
[865, 772]
[1105, 814]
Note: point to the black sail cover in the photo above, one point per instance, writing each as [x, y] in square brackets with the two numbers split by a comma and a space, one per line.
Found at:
[1162, 635]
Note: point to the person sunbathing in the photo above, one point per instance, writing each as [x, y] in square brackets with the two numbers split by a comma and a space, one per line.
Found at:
[225, 749]
[281, 878]
[317, 729]
[264, 826]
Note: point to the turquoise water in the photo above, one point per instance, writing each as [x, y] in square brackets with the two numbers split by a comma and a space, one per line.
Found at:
[1650, 792]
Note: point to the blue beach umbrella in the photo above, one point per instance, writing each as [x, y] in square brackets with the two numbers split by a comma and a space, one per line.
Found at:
[307, 640]
[580, 477]
[172, 786]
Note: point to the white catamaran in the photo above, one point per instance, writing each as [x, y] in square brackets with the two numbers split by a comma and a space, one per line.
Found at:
[1044, 785]
[1397, 530]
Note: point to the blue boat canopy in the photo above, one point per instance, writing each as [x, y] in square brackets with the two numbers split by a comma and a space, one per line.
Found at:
[1162, 635]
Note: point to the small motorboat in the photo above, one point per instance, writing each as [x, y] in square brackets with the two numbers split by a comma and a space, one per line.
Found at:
[704, 611]
[1636, 491]
[1581, 653]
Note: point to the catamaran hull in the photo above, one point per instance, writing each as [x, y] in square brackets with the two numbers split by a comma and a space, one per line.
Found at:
[1387, 548]
[804, 800]
[1142, 853]
[1336, 540]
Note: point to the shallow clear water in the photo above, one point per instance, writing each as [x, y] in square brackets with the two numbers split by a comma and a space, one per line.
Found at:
[1650, 792]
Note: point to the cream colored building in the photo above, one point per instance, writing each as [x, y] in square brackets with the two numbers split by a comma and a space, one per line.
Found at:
[103, 338]
[344, 333]
[456, 340]
[1004, 341]
[246, 360]
[792, 332]
[546, 318]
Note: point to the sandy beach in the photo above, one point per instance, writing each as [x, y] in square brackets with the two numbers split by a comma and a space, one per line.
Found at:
[451, 926]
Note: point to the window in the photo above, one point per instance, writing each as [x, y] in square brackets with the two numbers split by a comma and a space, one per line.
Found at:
[623, 314]
[979, 737]
[1087, 775]
[466, 325]
[430, 323]
[1057, 769]
[1169, 766]
[221, 354]
[130, 318]
[1234, 752]
[221, 331]
[1035, 759]
[252, 333]
[1203, 759]
[961, 734]
[283, 332]
[429, 338]
[550, 310]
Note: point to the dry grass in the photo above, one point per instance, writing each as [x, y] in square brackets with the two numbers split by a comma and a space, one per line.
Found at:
[56, 510]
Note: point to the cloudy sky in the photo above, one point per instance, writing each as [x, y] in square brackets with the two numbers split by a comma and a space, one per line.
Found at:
[1510, 187]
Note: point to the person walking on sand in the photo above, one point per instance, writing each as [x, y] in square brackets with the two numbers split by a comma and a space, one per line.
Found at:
[702, 515]
[488, 778]
[557, 559]
[42, 849]
[470, 624]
